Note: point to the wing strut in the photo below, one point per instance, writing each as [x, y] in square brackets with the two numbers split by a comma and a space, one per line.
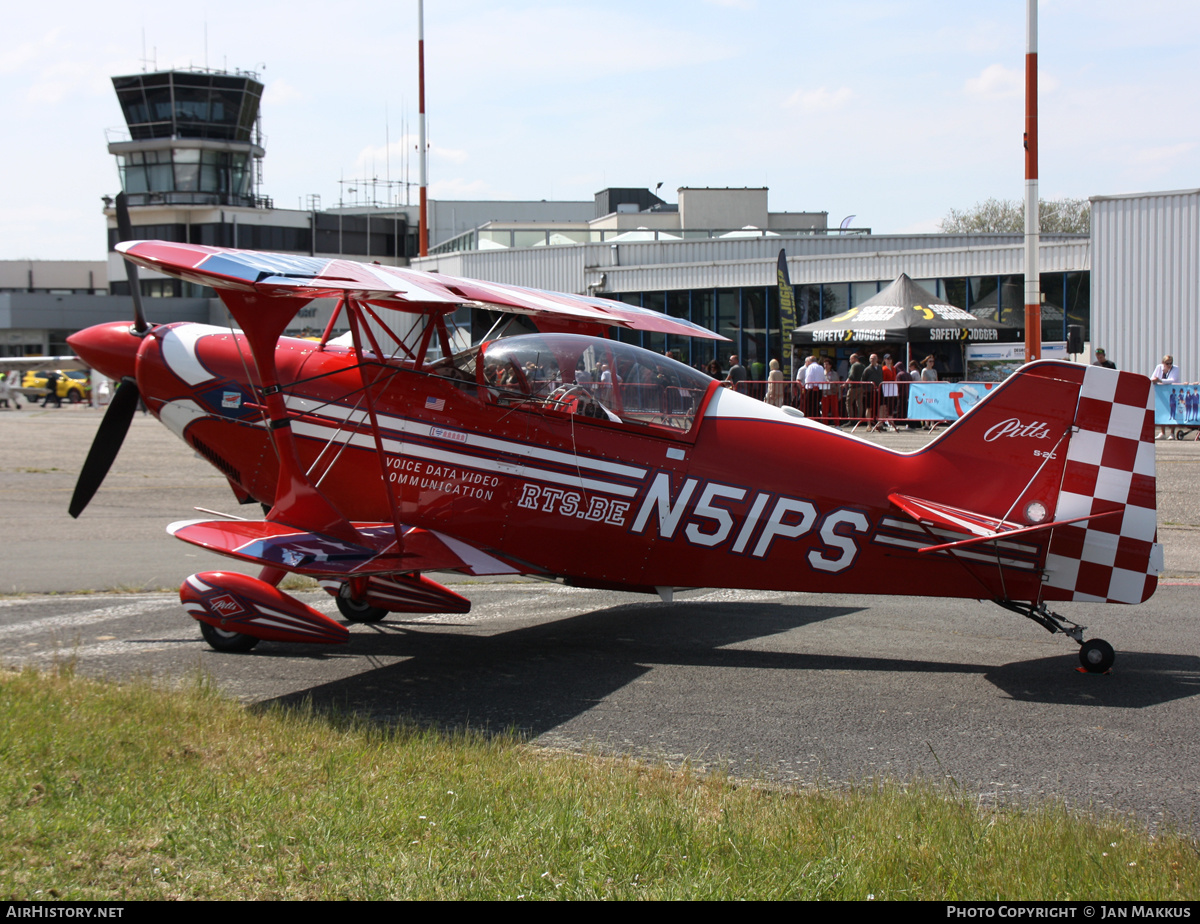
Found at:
[357, 323]
[298, 502]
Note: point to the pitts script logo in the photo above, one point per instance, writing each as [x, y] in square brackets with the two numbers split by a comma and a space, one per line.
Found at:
[224, 605]
[1014, 427]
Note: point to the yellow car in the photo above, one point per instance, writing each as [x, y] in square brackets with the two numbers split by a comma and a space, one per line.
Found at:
[74, 385]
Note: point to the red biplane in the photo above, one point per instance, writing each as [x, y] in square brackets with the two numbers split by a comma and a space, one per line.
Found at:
[557, 452]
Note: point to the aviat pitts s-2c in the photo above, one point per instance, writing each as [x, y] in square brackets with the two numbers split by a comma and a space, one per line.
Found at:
[563, 454]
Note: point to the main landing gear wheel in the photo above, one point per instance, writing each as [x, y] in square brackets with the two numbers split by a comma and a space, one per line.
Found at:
[355, 610]
[229, 642]
[1096, 656]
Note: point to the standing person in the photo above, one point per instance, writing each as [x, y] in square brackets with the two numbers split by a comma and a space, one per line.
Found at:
[929, 374]
[757, 377]
[903, 377]
[830, 394]
[814, 378]
[889, 390]
[1166, 371]
[52, 394]
[1103, 360]
[854, 389]
[775, 385]
[736, 376]
[872, 384]
[797, 400]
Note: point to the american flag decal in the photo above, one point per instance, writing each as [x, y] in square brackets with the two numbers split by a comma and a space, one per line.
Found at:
[435, 404]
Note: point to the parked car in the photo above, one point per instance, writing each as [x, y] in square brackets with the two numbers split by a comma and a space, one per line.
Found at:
[74, 385]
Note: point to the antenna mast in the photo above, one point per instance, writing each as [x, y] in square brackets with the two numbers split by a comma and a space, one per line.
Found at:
[424, 220]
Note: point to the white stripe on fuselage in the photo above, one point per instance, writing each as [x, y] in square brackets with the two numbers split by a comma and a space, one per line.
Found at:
[511, 469]
[420, 428]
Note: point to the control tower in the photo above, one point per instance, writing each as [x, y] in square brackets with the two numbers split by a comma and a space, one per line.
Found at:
[194, 138]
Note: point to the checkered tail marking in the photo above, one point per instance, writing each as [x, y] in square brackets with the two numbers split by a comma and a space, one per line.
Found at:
[1109, 466]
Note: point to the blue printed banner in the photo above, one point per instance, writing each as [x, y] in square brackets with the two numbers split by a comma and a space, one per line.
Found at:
[1177, 405]
[945, 400]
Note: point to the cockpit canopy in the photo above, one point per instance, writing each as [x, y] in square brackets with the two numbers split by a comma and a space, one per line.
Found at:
[604, 380]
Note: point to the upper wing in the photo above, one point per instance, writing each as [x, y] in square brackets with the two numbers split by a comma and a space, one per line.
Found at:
[387, 286]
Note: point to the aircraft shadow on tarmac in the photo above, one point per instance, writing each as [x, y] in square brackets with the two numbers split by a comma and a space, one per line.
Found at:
[536, 678]
[1138, 680]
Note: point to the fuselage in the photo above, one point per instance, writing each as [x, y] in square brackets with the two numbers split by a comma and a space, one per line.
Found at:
[675, 482]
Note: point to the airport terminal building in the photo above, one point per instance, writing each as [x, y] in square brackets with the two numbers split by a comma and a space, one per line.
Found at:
[191, 169]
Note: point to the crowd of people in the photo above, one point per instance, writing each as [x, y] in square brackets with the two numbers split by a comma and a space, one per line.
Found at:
[870, 389]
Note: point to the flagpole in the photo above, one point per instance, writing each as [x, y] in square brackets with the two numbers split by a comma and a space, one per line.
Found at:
[1033, 283]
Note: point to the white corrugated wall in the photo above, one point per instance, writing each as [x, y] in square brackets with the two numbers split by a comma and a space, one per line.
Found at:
[671, 265]
[1146, 279]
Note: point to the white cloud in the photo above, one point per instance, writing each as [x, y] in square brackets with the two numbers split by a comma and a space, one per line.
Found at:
[16, 58]
[820, 100]
[280, 93]
[997, 82]
[458, 188]
[1163, 157]
[374, 158]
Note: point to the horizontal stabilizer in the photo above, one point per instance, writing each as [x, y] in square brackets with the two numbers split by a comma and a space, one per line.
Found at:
[955, 518]
[984, 528]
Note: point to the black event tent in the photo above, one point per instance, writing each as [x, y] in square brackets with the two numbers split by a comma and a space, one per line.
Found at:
[904, 312]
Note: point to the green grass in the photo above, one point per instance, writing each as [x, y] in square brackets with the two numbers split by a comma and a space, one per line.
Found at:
[113, 792]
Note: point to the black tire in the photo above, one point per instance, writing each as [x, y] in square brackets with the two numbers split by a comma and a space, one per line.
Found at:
[1096, 656]
[228, 642]
[74, 396]
[356, 611]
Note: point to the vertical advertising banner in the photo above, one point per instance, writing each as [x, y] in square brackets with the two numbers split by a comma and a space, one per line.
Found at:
[787, 312]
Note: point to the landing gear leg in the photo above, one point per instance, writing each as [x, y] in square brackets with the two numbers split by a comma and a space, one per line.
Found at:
[1096, 655]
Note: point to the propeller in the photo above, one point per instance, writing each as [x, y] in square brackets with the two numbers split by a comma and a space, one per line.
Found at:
[106, 445]
[124, 403]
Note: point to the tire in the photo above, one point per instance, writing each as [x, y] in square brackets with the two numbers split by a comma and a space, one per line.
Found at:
[74, 396]
[228, 642]
[1096, 656]
[356, 611]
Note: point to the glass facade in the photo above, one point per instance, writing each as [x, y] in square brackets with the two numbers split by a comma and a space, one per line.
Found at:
[749, 316]
[222, 177]
[189, 104]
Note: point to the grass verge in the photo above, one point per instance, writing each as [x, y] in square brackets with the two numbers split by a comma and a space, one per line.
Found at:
[117, 792]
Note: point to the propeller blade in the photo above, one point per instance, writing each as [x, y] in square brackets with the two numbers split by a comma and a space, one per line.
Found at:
[125, 233]
[106, 445]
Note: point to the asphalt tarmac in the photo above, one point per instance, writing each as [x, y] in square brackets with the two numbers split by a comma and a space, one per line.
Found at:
[793, 688]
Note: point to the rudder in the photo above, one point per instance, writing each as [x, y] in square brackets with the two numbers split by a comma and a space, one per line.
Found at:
[1065, 442]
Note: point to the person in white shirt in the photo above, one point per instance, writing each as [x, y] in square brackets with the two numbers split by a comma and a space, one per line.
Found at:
[814, 378]
[1166, 371]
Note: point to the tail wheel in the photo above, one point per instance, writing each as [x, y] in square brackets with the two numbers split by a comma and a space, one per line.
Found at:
[356, 610]
[229, 642]
[1096, 656]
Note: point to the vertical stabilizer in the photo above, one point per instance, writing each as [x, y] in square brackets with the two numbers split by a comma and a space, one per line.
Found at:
[1109, 466]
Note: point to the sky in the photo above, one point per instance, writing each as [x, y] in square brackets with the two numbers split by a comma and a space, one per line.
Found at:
[894, 111]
